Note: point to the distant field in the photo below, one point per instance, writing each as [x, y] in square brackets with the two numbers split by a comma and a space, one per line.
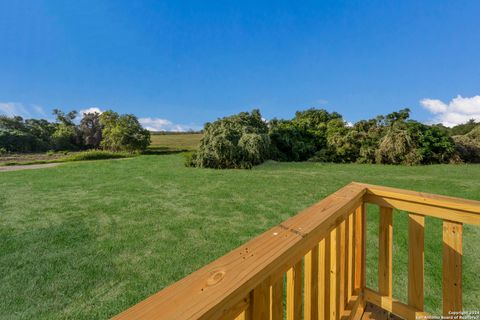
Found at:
[85, 240]
[177, 141]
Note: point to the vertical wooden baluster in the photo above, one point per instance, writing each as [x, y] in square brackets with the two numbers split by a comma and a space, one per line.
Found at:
[341, 279]
[261, 301]
[333, 293]
[452, 266]
[294, 292]
[321, 302]
[245, 315]
[276, 300]
[416, 242]
[350, 257]
[310, 285]
[385, 252]
[360, 246]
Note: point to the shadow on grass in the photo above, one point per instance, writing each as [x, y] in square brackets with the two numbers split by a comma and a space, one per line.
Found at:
[163, 150]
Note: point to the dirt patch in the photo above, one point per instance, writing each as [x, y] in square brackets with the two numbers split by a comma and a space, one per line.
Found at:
[28, 157]
[28, 167]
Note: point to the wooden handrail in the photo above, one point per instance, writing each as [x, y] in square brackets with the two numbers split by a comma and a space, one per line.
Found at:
[212, 291]
[443, 207]
[325, 244]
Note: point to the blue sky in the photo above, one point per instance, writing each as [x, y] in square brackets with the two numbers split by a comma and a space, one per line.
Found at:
[178, 64]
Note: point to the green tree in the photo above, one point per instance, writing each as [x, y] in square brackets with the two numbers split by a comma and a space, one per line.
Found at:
[91, 129]
[238, 141]
[123, 132]
[291, 141]
[66, 135]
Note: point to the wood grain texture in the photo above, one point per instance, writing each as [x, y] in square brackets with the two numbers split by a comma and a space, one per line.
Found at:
[392, 305]
[350, 257]
[322, 280]
[333, 292]
[360, 247]
[425, 209]
[241, 310]
[261, 301]
[416, 243]
[385, 246]
[276, 300]
[341, 268]
[452, 267]
[433, 200]
[310, 293]
[294, 292]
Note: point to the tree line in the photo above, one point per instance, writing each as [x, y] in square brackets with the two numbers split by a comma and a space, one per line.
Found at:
[245, 139]
[108, 130]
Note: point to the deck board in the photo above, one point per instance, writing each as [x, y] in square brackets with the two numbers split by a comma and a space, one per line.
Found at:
[373, 312]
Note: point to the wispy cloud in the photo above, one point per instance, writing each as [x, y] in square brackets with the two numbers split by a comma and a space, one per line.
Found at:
[458, 110]
[158, 124]
[13, 109]
[39, 110]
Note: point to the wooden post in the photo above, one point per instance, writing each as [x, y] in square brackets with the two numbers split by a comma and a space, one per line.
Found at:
[310, 285]
[360, 246]
[452, 266]
[341, 258]
[276, 300]
[350, 257]
[333, 293]
[294, 292]
[416, 242]
[385, 252]
[322, 280]
[261, 301]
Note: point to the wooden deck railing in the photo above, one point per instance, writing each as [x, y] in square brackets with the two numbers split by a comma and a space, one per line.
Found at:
[312, 266]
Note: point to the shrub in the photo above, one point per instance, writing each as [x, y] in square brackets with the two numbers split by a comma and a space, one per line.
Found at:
[238, 141]
[433, 142]
[468, 146]
[64, 137]
[291, 141]
[97, 155]
[189, 159]
[398, 147]
[123, 132]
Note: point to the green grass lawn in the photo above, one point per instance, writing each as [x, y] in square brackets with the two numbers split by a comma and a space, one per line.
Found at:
[87, 240]
[176, 141]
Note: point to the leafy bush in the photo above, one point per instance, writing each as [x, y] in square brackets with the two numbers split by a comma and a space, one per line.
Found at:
[189, 159]
[123, 132]
[64, 137]
[239, 141]
[398, 147]
[291, 141]
[342, 142]
[97, 155]
[433, 143]
[468, 145]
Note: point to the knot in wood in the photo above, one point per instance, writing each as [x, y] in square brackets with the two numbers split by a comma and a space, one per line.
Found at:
[215, 278]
